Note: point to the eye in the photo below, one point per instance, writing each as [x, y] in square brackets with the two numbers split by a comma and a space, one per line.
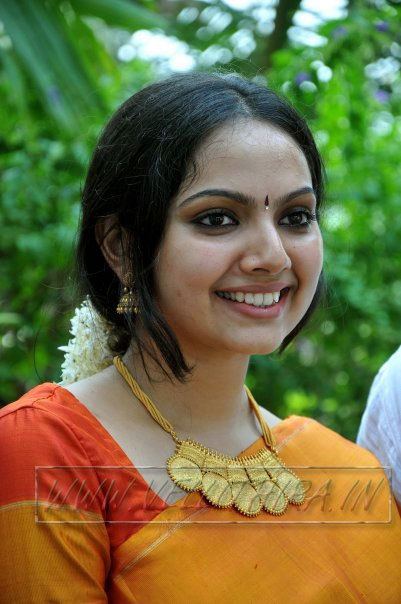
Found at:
[216, 219]
[299, 218]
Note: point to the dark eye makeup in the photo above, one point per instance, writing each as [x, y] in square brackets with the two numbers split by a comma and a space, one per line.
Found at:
[299, 218]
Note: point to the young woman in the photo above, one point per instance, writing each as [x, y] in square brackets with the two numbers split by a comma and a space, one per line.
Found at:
[159, 478]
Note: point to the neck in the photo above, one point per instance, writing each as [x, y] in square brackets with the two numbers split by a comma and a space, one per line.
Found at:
[212, 403]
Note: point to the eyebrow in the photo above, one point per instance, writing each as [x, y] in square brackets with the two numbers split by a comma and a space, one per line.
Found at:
[242, 198]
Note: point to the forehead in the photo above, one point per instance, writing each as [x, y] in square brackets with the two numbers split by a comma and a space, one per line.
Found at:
[251, 156]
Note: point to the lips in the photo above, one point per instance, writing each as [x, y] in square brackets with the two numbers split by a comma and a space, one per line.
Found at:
[271, 311]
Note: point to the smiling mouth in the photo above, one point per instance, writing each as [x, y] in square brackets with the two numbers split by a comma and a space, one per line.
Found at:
[260, 300]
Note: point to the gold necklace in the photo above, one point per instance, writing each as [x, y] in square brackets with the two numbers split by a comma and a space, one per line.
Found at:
[249, 484]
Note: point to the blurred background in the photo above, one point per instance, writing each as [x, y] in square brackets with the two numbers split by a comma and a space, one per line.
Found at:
[65, 67]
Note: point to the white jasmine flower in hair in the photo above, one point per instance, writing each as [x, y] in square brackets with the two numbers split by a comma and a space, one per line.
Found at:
[87, 352]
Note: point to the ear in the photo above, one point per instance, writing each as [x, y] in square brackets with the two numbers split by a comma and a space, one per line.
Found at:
[109, 237]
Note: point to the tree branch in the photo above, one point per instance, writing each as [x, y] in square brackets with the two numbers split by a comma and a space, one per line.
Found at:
[278, 38]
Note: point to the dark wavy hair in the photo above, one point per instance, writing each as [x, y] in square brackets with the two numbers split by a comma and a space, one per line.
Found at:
[144, 154]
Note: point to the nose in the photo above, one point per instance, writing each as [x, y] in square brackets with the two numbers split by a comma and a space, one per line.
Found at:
[266, 251]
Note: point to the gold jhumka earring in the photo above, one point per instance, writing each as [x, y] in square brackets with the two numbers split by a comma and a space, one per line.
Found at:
[128, 302]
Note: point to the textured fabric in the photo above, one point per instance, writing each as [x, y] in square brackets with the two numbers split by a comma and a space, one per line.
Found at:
[65, 540]
[380, 429]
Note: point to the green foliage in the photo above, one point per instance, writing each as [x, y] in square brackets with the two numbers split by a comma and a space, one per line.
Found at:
[352, 102]
[44, 155]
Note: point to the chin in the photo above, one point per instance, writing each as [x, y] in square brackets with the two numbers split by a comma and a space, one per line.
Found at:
[250, 348]
[264, 349]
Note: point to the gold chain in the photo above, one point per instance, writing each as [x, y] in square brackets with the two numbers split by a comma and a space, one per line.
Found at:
[143, 397]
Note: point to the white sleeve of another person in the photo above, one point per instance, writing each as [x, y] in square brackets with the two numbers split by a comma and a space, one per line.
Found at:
[380, 429]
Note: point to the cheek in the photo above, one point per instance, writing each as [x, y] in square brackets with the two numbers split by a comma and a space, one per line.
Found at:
[187, 268]
[307, 259]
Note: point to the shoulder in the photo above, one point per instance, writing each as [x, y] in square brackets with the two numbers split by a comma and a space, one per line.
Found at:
[389, 375]
[302, 440]
[35, 411]
[385, 391]
[315, 443]
[44, 412]
[382, 415]
[43, 428]
[39, 392]
[380, 429]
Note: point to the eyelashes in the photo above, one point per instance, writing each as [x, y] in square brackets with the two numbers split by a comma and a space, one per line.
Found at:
[310, 217]
[215, 215]
[302, 218]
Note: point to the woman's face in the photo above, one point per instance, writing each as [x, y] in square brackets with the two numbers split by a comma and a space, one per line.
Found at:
[215, 242]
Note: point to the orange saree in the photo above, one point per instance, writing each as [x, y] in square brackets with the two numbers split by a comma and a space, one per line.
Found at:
[80, 524]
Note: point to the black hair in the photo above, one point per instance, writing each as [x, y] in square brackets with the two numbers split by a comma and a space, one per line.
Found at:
[144, 154]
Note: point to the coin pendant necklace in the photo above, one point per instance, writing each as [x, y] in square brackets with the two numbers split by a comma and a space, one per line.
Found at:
[249, 484]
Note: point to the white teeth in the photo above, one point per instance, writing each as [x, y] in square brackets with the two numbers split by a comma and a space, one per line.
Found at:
[253, 299]
[258, 299]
